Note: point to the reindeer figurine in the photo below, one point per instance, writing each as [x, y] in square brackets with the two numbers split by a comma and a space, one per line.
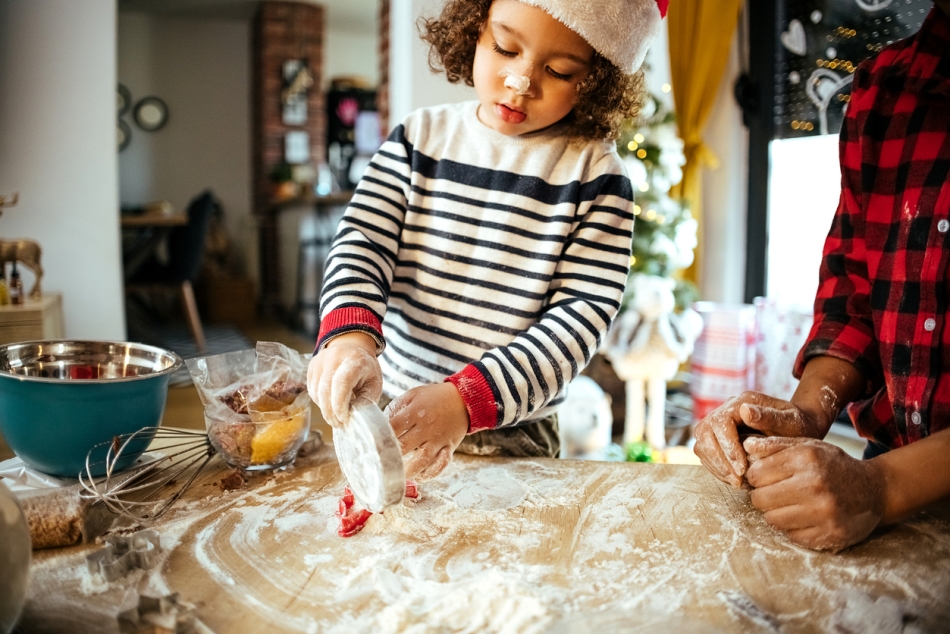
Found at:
[646, 346]
[26, 252]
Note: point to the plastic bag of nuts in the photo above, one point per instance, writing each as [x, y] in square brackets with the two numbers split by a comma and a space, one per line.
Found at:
[256, 405]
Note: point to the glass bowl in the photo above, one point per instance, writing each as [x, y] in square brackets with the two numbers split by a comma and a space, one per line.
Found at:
[256, 446]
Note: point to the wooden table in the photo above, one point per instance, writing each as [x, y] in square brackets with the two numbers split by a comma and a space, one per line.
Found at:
[504, 545]
[137, 221]
[142, 235]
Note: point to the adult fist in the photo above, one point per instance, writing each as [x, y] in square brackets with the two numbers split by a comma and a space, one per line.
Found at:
[430, 422]
[345, 369]
[717, 435]
[818, 495]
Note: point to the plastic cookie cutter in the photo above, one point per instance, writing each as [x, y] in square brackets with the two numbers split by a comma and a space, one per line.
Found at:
[125, 553]
[519, 83]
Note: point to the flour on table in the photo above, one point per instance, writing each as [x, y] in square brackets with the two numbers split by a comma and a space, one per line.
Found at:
[859, 613]
[516, 547]
[489, 489]
[476, 554]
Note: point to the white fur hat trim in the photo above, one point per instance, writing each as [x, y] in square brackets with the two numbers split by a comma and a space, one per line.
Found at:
[620, 30]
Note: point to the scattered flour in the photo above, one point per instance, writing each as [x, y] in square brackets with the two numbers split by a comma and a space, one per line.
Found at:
[489, 489]
[519, 548]
[480, 553]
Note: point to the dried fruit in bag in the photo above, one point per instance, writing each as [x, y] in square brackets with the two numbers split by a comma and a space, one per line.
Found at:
[277, 438]
[233, 439]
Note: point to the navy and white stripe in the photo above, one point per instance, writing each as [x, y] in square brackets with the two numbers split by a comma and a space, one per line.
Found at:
[474, 247]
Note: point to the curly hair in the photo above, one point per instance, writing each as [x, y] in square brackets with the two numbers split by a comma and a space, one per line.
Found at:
[606, 98]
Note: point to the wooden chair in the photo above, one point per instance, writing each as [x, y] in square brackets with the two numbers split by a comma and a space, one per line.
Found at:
[185, 251]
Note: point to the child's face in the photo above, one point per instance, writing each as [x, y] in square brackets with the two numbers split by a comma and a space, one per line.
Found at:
[526, 41]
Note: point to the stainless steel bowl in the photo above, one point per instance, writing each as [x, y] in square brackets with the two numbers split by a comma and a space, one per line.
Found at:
[58, 399]
[94, 361]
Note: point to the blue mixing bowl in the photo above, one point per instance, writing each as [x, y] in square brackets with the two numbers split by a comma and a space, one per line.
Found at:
[58, 399]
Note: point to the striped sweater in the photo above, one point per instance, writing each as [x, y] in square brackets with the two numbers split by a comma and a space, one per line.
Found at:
[493, 262]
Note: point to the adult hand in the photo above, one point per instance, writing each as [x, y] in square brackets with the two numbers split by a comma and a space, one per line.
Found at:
[345, 369]
[818, 495]
[430, 422]
[717, 435]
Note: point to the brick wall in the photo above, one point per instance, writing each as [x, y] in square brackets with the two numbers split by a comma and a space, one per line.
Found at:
[281, 31]
[382, 90]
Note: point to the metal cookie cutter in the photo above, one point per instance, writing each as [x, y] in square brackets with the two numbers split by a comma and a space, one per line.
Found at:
[125, 553]
[167, 614]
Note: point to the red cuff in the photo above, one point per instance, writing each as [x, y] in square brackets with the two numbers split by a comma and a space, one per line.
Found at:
[350, 318]
[478, 397]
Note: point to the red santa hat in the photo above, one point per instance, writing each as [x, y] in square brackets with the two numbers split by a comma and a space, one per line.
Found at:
[620, 30]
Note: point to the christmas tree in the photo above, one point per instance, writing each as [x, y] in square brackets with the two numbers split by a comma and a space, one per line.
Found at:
[655, 330]
[664, 235]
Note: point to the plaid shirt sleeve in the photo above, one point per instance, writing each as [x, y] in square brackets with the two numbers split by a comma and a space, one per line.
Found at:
[843, 326]
[882, 301]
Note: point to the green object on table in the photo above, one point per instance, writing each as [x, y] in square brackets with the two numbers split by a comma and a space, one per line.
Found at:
[639, 451]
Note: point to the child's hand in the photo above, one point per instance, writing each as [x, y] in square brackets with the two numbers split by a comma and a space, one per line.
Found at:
[430, 421]
[819, 495]
[345, 369]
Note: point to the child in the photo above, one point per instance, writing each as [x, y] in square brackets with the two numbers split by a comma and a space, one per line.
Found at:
[485, 251]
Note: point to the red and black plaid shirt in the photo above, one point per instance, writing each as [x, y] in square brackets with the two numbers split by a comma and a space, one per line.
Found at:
[883, 299]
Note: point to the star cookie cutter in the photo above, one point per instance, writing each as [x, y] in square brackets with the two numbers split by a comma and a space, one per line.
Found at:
[167, 614]
[125, 553]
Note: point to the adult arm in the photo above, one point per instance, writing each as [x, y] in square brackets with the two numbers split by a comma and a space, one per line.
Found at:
[825, 499]
[827, 385]
[842, 330]
[915, 476]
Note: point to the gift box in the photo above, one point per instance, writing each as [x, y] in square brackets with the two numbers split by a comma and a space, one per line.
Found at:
[723, 362]
[780, 332]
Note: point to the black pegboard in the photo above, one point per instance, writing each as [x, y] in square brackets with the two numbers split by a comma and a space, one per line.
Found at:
[821, 42]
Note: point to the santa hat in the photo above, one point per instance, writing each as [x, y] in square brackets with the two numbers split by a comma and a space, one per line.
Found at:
[620, 30]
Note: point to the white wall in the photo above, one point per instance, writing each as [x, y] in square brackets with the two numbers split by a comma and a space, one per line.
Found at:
[351, 52]
[725, 191]
[200, 67]
[58, 149]
[351, 45]
[804, 187]
[411, 84]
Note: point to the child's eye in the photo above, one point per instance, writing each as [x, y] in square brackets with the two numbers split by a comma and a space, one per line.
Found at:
[558, 75]
[502, 51]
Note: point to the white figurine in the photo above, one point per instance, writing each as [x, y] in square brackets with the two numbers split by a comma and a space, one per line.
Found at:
[646, 346]
[585, 420]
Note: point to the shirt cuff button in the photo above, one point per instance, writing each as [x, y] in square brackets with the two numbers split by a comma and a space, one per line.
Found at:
[915, 418]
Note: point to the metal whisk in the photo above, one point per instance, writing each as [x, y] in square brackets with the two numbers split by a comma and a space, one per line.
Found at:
[145, 491]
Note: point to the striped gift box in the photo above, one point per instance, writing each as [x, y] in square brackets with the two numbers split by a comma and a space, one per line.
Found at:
[723, 361]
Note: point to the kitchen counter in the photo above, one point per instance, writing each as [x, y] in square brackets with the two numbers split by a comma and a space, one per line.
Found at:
[504, 545]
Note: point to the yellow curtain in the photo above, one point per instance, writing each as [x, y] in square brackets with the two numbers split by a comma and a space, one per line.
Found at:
[700, 38]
